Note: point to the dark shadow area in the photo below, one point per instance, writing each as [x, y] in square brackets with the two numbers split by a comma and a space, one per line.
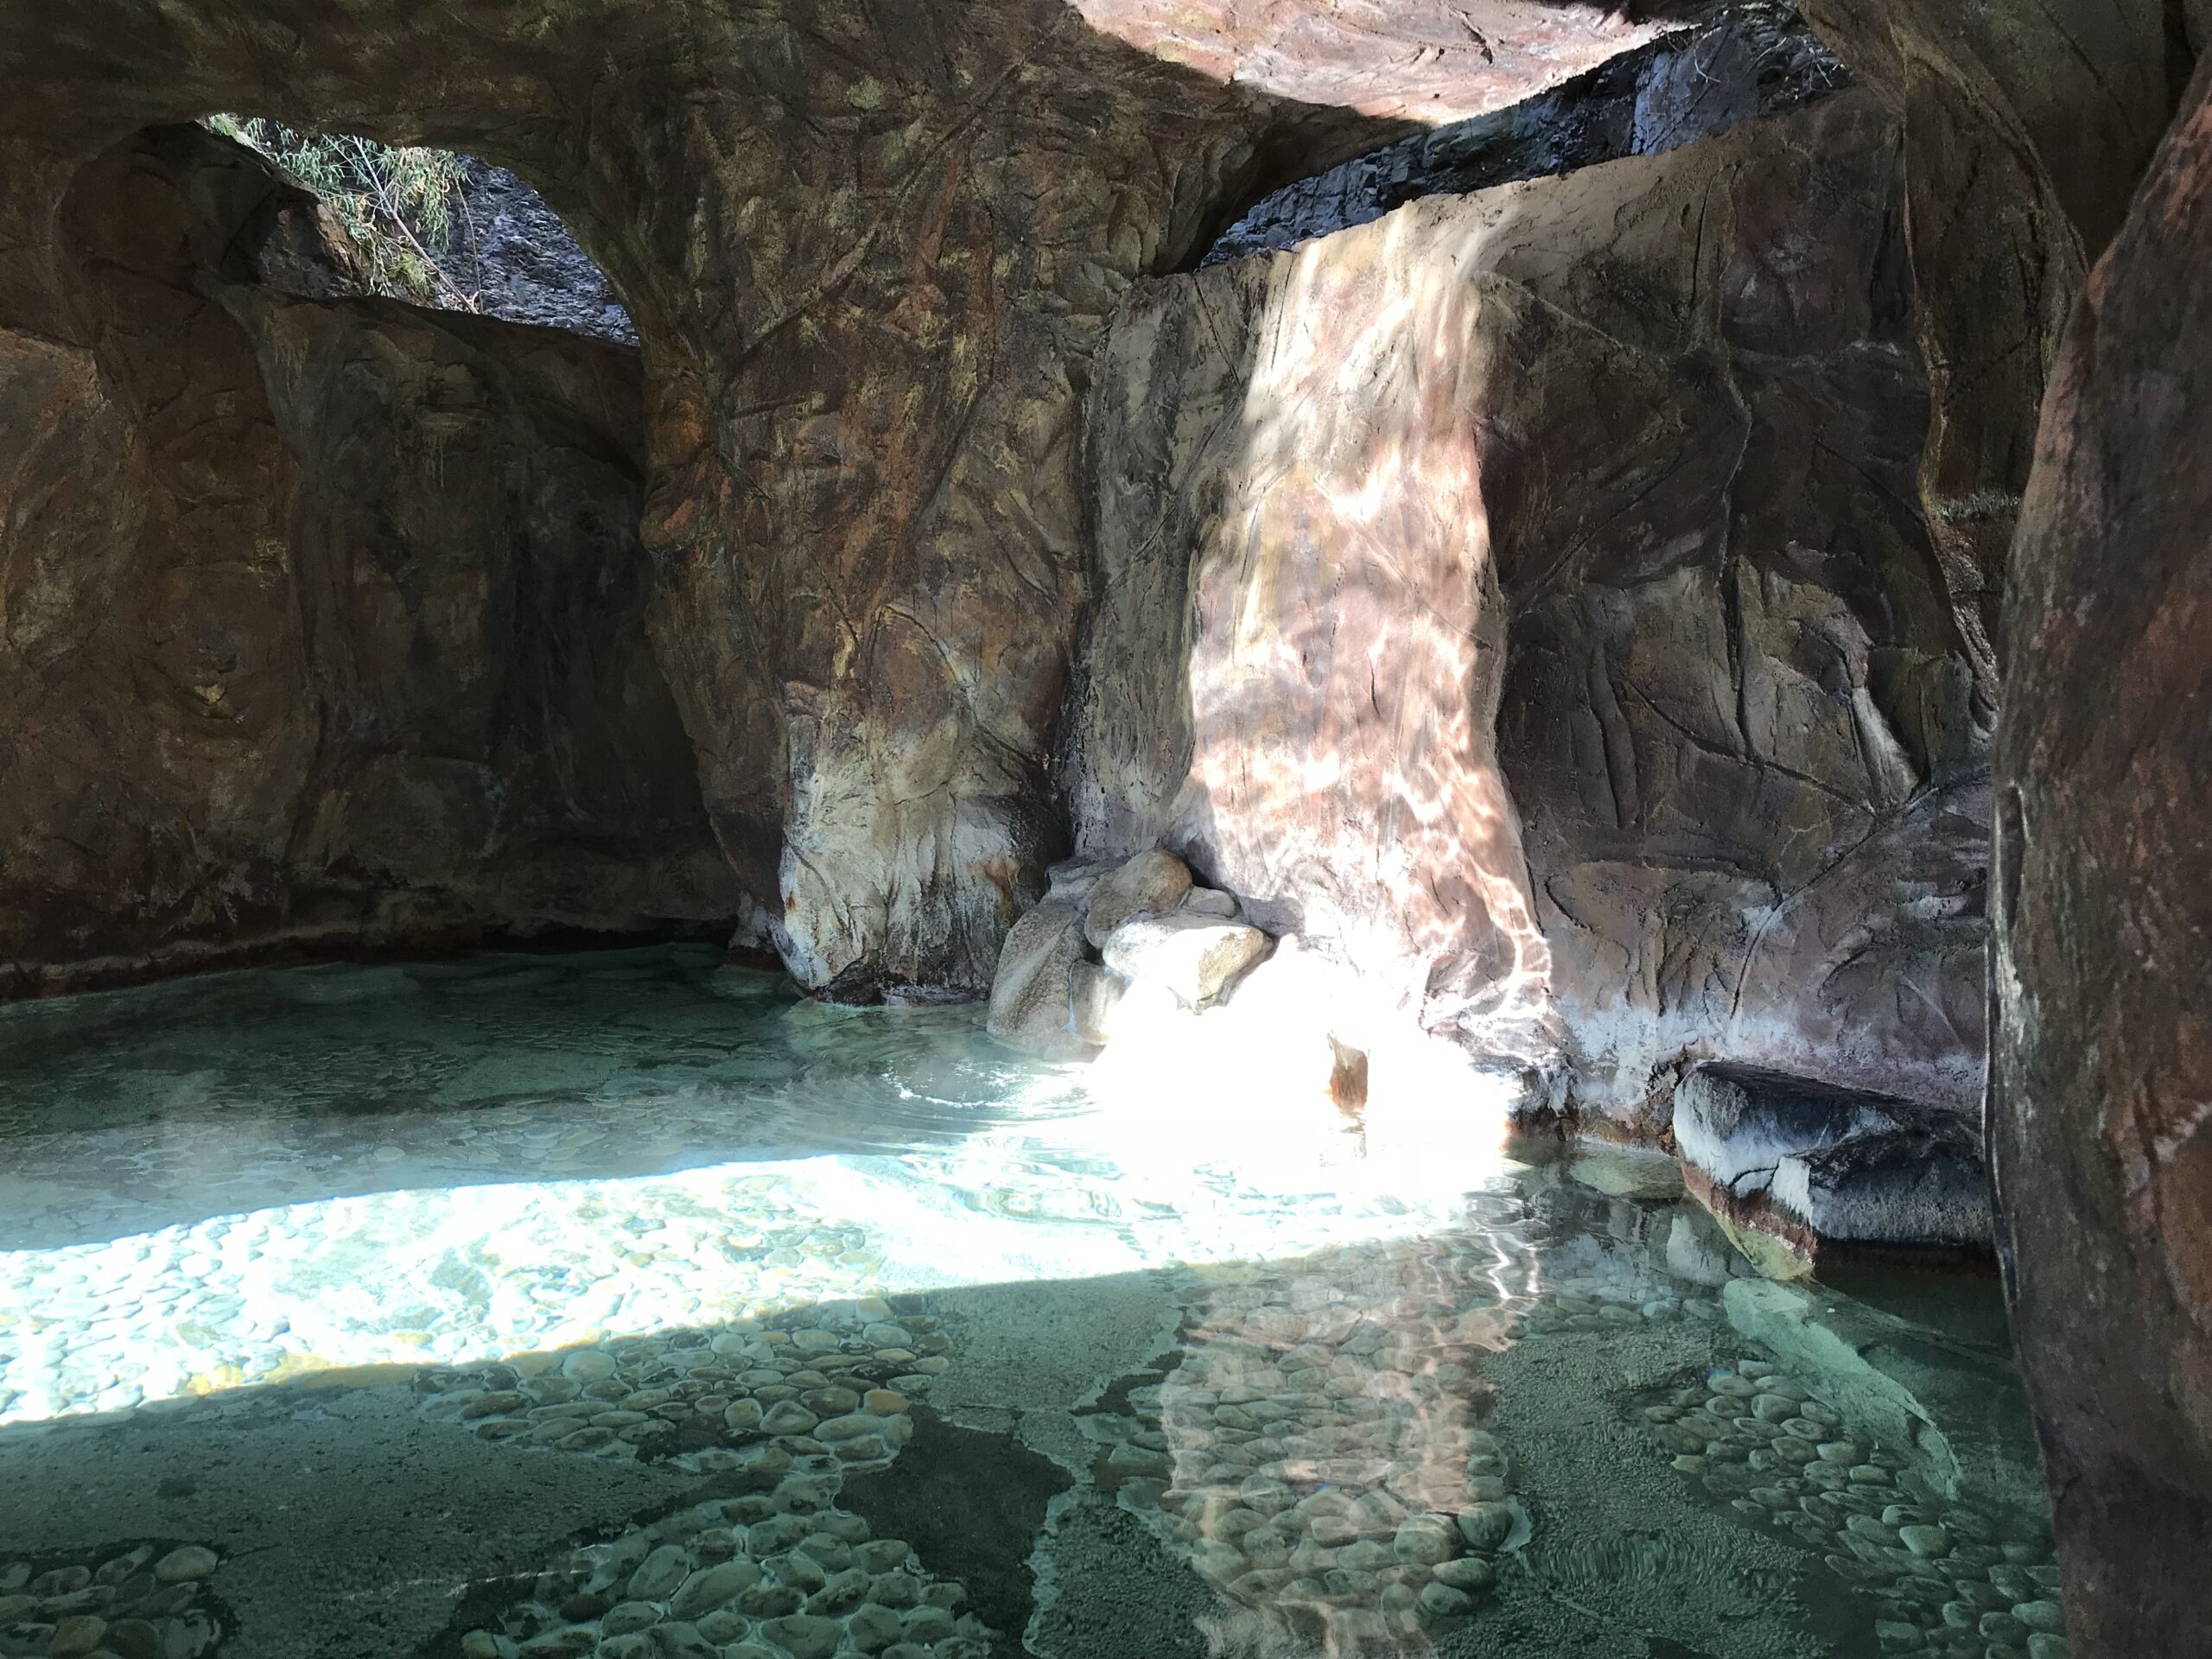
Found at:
[329, 632]
[855, 1475]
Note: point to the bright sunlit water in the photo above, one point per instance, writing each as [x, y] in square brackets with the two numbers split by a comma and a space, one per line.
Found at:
[623, 1304]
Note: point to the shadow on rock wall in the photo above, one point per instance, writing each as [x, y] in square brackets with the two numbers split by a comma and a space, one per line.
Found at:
[324, 617]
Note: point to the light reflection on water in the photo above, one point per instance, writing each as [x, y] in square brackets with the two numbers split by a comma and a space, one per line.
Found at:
[701, 1244]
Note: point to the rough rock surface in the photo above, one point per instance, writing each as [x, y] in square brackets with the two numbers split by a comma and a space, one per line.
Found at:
[2101, 1064]
[1532, 602]
[1827, 1167]
[1152, 881]
[514, 257]
[1754, 60]
[321, 623]
[868, 252]
[2026, 128]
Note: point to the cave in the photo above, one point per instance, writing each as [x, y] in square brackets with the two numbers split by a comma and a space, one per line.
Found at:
[1096, 830]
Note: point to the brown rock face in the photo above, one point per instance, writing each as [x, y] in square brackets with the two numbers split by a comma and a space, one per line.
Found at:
[868, 251]
[320, 622]
[2026, 128]
[2100, 1124]
[1530, 598]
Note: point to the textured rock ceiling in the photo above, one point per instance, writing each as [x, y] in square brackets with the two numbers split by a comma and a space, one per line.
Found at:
[1433, 61]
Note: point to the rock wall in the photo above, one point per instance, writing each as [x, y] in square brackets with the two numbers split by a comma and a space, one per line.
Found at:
[2101, 1067]
[2026, 128]
[321, 620]
[868, 250]
[1531, 599]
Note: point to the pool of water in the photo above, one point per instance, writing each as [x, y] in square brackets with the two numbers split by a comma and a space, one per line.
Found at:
[624, 1304]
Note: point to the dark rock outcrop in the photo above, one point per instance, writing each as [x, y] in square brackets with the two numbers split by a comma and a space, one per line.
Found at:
[512, 256]
[2101, 1098]
[1830, 1169]
[321, 620]
[1530, 601]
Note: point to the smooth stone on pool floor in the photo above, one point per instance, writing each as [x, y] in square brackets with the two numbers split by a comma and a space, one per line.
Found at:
[182, 1565]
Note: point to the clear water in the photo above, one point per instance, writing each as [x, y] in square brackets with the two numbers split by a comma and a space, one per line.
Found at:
[621, 1304]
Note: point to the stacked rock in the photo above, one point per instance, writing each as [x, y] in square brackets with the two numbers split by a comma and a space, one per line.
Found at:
[148, 1600]
[781, 1576]
[1947, 1578]
[1107, 928]
[830, 1382]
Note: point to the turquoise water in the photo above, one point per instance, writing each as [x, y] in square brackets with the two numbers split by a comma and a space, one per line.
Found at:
[623, 1304]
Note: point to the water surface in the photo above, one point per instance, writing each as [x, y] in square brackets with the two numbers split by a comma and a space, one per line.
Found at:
[623, 1304]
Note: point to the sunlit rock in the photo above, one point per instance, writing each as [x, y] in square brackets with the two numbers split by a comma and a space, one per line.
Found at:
[1095, 995]
[1197, 957]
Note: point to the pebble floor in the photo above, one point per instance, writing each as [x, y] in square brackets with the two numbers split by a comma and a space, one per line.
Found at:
[621, 1304]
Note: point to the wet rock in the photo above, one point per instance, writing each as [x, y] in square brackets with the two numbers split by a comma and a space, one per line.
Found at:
[1612, 916]
[1095, 994]
[1425, 1540]
[183, 1565]
[660, 1573]
[1469, 1573]
[717, 1586]
[1195, 958]
[1486, 1526]
[804, 1635]
[1843, 1166]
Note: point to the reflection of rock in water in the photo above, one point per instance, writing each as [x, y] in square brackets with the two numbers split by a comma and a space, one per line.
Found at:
[1319, 1449]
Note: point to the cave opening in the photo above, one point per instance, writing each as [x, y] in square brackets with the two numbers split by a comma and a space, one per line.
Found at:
[917, 916]
[443, 229]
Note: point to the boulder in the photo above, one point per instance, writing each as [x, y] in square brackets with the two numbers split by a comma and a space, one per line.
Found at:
[1923, 1184]
[1829, 1167]
[1031, 1006]
[1210, 901]
[1197, 957]
[1153, 880]
[1074, 880]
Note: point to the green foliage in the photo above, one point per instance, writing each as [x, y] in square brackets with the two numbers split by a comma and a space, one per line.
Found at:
[400, 206]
